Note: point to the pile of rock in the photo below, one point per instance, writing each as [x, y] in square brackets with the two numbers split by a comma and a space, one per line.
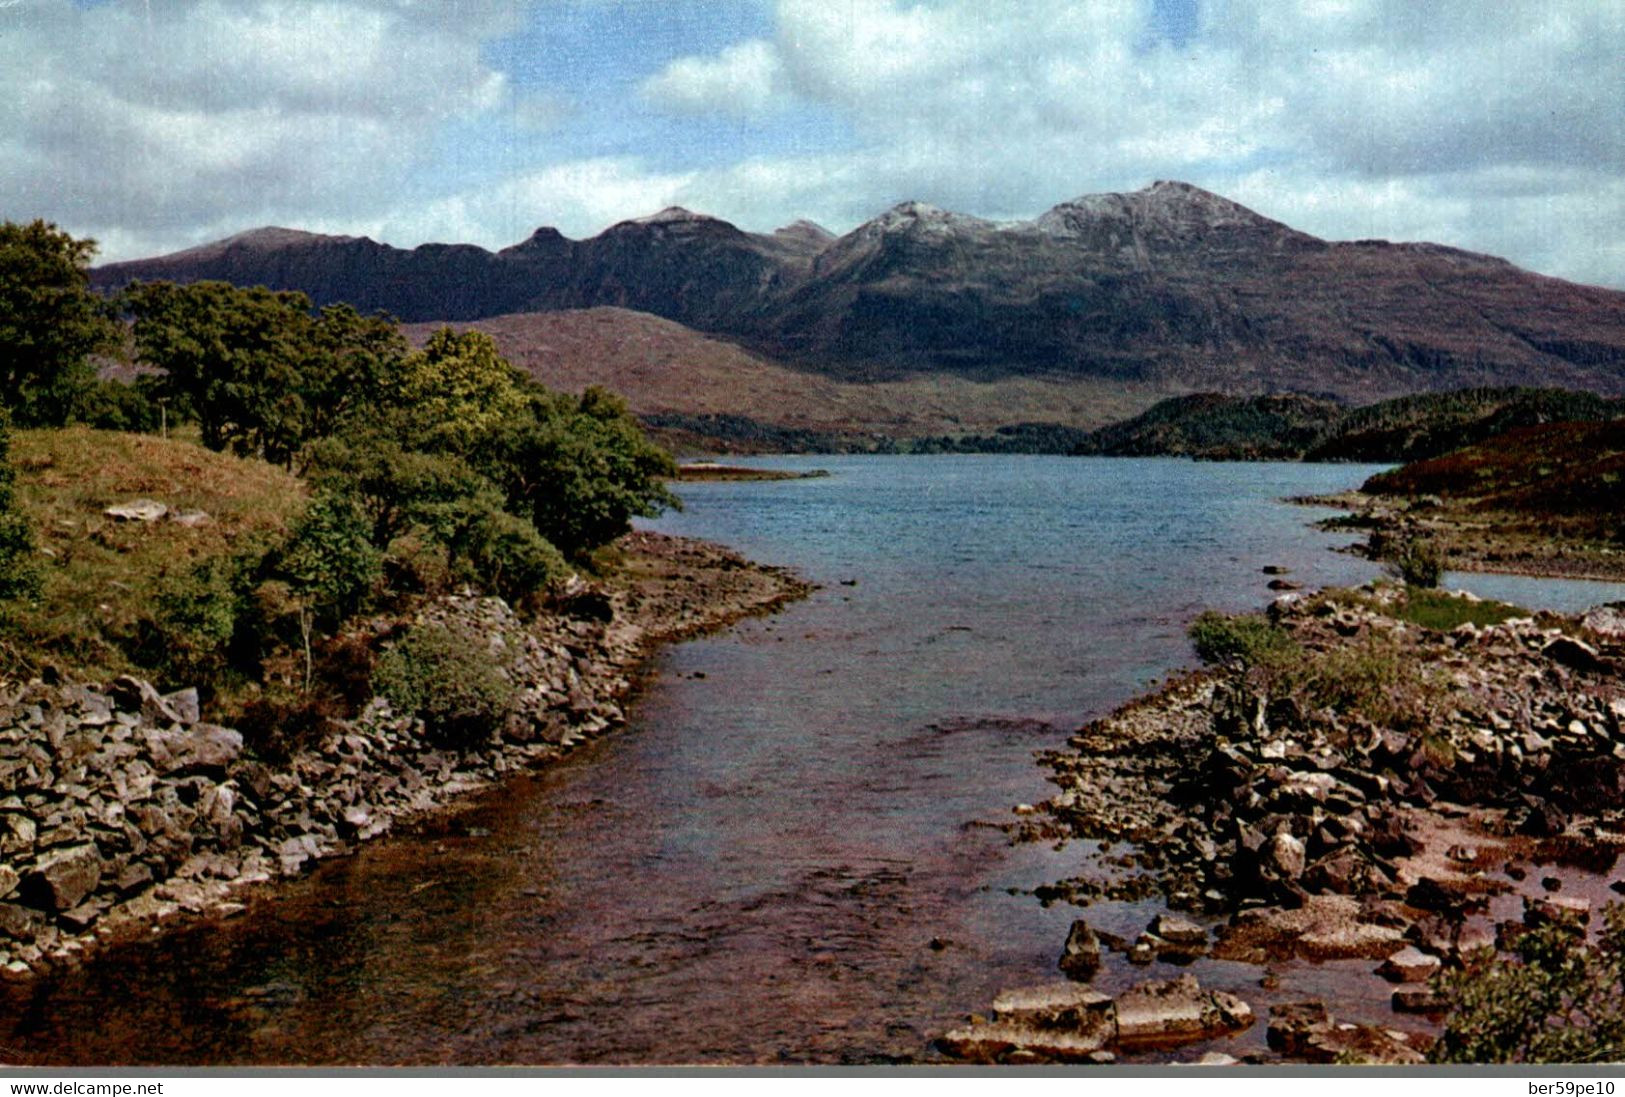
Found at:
[120, 807]
[1234, 798]
[1324, 834]
[1307, 1032]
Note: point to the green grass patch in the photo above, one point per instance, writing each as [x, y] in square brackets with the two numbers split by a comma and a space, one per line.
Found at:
[1441, 610]
[1246, 639]
[103, 577]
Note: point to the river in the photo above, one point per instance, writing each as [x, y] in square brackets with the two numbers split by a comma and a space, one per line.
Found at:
[791, 854]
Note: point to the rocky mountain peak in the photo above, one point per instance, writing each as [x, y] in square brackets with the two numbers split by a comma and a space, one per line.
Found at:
[673, 215]
[911, 215]
[806, 231]
[545, 240]
[268, 238]
[1165, 215]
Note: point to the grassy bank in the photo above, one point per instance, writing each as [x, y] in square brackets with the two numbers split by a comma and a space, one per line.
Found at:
[102, 576]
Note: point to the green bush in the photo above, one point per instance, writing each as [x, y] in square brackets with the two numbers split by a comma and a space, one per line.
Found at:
[1247, 639]
[115, 405]
[1413, 559]
[195, 616]
[330, 560]
[18, 575]
[505, 555]
[1559, 999]
[448, 680]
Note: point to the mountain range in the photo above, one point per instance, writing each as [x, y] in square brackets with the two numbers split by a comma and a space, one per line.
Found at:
[1163, 290]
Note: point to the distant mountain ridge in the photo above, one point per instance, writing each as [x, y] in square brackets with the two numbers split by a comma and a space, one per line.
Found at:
[1170, 287]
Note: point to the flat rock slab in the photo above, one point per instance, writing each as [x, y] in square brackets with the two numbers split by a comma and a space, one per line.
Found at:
[138, 510]
[991, 1043]
[1417, 1001]
[199, 747]
[1176, 930]
[1065, 1022]
[1327, 927]
[1177, 1011]
[1409, 965]
[1052, 1005]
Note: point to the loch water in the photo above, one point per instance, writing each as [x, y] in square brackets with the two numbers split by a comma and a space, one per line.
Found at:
[792, 854]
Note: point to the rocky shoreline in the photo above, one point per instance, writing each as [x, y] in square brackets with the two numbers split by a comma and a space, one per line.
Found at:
[1386, 793]
[1469, 540]
[122, 811]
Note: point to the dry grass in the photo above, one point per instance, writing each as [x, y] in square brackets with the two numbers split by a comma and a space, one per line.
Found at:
[101, 574]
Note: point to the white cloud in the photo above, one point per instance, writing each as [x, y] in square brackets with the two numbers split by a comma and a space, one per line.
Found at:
[140, 122]
[745, 81]
[1498, 127]
[577, 197]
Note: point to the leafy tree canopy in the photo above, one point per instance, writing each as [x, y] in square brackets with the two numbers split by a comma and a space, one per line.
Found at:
[263, 374]
[580, 468]
[231, 356]
[50, 322]
[457, 390]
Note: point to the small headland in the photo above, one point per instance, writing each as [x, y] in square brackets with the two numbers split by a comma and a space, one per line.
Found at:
[711, 470]
[1542, 500]
[1372, 792]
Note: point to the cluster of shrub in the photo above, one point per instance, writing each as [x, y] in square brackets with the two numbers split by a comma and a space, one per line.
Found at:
[427, 470]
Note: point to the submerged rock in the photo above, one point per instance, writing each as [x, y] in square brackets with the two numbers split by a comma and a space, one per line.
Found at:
[1080, 957]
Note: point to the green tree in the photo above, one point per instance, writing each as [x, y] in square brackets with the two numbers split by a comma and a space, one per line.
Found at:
[50, 322]
[345, 370]
[331, 566]
[18, 576]
[233, 356]
[580, 468]
[456, 391]
[396, 488]
[329, 558]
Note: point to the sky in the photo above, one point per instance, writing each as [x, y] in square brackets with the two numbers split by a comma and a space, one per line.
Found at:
[153, 125]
